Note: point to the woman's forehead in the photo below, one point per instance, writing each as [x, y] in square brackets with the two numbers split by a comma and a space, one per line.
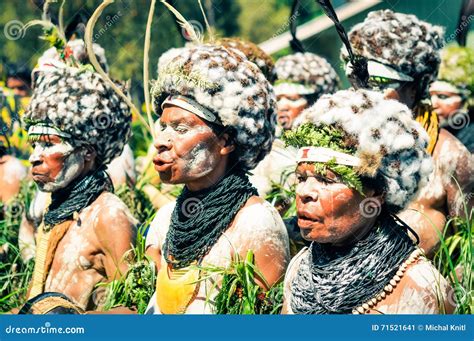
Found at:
[173, 114]
[309, 168]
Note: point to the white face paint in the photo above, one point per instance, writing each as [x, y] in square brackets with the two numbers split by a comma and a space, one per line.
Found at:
[72, 164]
[195, 156]
[447, 100]
[71, 169]
[284, 101]
[199, 161]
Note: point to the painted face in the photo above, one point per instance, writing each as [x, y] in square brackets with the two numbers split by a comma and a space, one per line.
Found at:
[445, 103]
[187, 147]
[55, 163]
[289, 107]
[404, 92]
[328, 211]
[19, 87]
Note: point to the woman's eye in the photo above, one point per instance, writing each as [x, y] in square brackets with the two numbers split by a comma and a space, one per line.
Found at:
[443, 96]
[300, 178]
[48, 144]
[182, 129]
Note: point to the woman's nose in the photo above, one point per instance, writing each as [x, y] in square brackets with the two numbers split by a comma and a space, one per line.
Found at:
[35, 157]
[162, 141]
[307, 192]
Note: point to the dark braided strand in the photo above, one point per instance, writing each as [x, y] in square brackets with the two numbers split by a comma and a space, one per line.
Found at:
[336, 282]
[200, 218]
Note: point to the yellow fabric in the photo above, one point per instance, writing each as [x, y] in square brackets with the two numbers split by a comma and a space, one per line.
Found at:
[176, 289]
[428, 118]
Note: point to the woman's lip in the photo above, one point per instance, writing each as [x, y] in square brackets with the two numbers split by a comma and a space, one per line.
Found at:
[305, 223]
[162, 166]
[157, 160]
[40, 177]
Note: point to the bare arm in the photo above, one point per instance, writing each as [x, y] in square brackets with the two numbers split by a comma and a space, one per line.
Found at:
[460, 190]
[266, 236]
[116, 233]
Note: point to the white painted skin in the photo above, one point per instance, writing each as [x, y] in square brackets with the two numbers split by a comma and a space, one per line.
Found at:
[451, 100]
[122, 167]
[311, 186]
[257, 225]
[74, 159]
[426, 289]
[284, 101]
[199, 161]
[277, 167]
[78, 265]
[13, 171]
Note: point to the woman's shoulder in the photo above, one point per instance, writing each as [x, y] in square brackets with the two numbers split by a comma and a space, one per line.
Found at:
[259, 222]
[422, 290]
[160, 224]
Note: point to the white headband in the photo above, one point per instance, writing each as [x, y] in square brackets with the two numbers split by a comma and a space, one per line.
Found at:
[41, 129]
[443, 86]
[191, 105]
[381, 70]
[321, 154]
[292, 88]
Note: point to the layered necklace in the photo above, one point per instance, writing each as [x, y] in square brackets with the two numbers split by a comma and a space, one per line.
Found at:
[342, 280]
[199, 218]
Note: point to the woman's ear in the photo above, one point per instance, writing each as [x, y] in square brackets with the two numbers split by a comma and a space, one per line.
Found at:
[370, 193]
[89, 153]
[227, 146]
[380, 198]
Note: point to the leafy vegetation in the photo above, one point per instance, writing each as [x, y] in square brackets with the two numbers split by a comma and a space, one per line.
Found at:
[239, 292]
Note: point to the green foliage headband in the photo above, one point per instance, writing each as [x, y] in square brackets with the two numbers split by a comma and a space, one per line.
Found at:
[328, 137]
